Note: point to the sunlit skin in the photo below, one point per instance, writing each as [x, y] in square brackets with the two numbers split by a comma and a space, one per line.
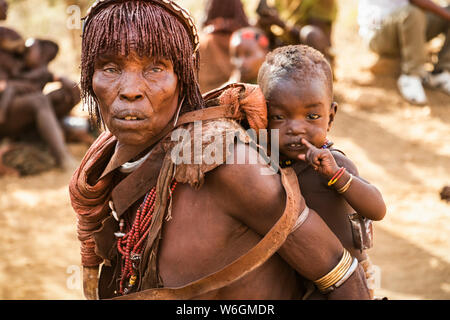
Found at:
[138, 96]
[247, 56]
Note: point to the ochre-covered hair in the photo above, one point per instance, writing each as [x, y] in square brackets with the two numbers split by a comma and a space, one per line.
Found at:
[148, 28]
[298, 62]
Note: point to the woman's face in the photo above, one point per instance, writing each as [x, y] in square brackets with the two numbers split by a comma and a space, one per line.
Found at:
[137, 96]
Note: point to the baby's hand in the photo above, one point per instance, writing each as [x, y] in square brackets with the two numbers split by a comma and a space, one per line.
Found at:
[320, 159]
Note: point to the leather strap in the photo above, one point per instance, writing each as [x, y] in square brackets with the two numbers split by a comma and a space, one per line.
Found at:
[253, 259]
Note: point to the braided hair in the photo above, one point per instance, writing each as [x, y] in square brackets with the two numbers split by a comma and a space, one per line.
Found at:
[122, 26]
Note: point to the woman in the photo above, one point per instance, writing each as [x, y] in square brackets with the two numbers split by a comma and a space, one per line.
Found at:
[157, 226]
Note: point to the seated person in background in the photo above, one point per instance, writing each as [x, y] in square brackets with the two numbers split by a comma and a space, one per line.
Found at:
[297, 83]
[24, 108]
[290, 22]
[32, 76]
[222, 19]
[402, 28]
[248, 49]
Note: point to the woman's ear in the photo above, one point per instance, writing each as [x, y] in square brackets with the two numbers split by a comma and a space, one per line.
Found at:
[333, 111]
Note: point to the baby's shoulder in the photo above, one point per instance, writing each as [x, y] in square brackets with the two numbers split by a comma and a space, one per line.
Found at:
[343, 161]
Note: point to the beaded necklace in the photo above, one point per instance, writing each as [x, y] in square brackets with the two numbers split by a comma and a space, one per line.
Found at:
[130, 243]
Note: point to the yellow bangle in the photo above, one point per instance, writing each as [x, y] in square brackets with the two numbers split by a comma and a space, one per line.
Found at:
[335, 275]
[346, 186]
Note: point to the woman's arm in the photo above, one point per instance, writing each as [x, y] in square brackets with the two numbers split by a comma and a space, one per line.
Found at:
[258, 201]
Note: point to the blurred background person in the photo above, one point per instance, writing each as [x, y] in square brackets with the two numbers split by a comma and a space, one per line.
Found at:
[221, 19]
[293, 22]
[248, 49]
[403, 28]
[28, 117]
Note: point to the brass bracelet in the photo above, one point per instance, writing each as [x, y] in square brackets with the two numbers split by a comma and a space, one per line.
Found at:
[335, 275]
[346, 186]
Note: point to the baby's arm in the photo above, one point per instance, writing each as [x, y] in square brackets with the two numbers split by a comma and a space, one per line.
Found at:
[361, 195]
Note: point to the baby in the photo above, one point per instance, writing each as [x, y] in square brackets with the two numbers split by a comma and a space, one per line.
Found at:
[248, 49]
[298, 85]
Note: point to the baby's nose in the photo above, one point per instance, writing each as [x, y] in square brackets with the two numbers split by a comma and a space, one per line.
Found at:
[296, 127]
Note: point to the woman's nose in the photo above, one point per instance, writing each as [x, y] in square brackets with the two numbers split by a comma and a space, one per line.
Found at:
[131, 89]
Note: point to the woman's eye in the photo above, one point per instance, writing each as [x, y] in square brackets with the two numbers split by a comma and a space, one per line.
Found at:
[155, 69]
[111, 70]
[313, 116]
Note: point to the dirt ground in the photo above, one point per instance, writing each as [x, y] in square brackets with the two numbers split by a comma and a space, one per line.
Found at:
[402, 149]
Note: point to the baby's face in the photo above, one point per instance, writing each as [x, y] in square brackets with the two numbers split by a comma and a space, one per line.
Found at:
[300, 110]
[247, 56]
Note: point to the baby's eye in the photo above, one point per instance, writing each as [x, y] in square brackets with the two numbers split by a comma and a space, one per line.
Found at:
[276, 117]
[313, 116]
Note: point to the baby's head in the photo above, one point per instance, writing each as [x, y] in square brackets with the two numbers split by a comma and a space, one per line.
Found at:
[297, 82]
[248, 49]
[39, 52]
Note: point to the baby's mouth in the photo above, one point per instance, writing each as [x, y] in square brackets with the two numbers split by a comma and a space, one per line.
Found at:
[294, 146]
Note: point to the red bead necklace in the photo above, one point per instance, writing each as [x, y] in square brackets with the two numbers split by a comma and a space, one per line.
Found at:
[130, 244]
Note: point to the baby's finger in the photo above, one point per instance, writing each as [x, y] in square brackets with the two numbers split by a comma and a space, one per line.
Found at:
[307, 144]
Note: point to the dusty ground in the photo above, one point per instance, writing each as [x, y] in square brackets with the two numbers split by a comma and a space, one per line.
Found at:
[402, 149]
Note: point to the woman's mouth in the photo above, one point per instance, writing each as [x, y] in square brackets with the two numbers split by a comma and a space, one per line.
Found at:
[130, 115]
[130, 118]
